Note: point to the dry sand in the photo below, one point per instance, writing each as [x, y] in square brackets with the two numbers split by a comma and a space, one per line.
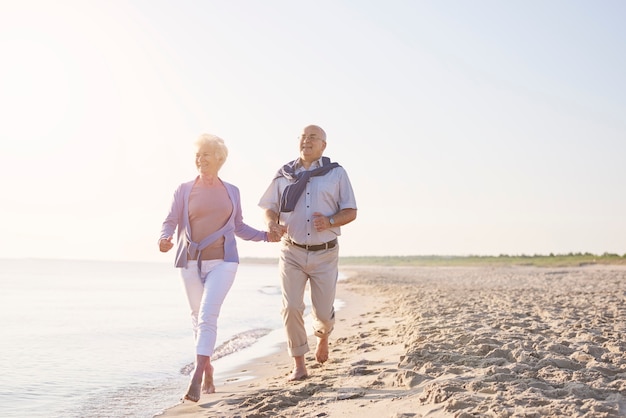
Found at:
[453, 342]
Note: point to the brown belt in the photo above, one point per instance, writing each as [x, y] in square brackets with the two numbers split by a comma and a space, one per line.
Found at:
[318, 247]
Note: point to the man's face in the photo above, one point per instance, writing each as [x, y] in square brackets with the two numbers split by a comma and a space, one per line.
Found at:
[312, 144]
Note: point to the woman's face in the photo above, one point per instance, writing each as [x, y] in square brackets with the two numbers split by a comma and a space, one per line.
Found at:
[206, 160]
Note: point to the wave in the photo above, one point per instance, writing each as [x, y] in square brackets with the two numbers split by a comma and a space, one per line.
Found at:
[237, 343]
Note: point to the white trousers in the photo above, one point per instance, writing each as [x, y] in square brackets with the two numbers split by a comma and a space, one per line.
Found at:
[206, 292]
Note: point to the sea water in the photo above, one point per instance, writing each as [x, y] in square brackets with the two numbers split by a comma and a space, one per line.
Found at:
[113, 339]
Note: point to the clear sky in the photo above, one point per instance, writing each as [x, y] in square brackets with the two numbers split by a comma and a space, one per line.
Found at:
[467, 127]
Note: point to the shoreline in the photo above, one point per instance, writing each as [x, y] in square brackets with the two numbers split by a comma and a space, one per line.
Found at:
[235, 377]
[451, 341]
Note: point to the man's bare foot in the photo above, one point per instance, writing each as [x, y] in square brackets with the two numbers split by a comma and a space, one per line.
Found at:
[299, 369]
[321, 354]
[207, 383]
[298, 375]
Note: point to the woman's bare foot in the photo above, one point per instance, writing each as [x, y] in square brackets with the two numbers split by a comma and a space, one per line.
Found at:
[299, 369]
[207, 383]
[193, 391]
[321, 354]
[196, 387]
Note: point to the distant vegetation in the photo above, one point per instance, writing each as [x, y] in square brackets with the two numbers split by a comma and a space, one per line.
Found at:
[551, 260]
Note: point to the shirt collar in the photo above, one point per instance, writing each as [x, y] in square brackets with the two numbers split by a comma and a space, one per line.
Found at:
[316, 164]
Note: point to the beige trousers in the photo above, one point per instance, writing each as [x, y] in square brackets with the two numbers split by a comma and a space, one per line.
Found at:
[298, 266]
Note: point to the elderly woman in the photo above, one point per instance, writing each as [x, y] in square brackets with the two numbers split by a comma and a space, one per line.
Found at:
[206, 212]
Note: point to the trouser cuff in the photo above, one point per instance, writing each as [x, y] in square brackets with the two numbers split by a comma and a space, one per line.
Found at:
[298, 351]
[322, 333]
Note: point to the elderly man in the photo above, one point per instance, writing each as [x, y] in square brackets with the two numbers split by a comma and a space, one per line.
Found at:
[306, 203]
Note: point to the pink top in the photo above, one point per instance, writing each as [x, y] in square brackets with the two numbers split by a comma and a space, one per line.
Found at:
[209, 210]
[178, 220]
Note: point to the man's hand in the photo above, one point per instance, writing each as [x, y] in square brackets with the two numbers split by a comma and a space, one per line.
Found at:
[321, 222]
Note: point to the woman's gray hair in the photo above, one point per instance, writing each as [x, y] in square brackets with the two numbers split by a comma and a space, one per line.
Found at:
[215, 142]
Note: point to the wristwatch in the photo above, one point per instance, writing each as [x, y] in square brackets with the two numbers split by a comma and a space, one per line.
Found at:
[331, 220]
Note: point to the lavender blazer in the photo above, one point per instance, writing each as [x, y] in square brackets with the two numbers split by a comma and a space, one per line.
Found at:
[178, 219]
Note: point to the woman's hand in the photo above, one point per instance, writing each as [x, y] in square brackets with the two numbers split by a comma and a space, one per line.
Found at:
[165, 244]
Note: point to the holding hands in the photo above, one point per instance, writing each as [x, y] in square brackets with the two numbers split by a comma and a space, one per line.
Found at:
[275, 231]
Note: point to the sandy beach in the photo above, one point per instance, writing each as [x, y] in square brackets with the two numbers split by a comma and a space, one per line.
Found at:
[452, 342]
